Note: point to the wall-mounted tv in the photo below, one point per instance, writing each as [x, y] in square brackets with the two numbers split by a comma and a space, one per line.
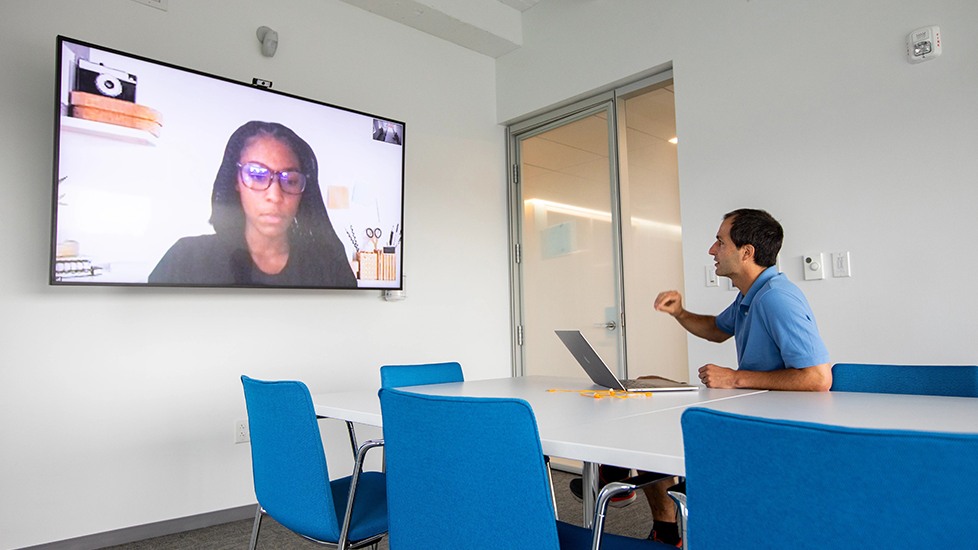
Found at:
[169, 176]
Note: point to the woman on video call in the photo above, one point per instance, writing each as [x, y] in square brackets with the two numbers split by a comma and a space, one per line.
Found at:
[271, 226]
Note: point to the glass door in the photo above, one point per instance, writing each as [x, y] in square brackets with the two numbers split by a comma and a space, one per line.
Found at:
[596, 232]
[566, 239]
[652, 231]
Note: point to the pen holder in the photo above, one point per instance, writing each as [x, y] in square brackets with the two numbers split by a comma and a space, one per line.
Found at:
[387, 268]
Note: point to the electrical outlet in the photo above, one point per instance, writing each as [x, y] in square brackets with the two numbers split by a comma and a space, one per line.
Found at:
[241, 433]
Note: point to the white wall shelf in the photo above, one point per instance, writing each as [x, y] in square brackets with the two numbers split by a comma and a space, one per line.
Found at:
[112, 131]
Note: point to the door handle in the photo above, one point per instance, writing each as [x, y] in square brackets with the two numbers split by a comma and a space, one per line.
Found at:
[610, 325]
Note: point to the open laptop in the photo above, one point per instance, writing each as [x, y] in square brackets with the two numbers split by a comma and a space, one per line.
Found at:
[602, 375]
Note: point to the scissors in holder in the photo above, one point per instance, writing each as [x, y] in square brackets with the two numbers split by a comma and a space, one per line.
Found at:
[374, 235]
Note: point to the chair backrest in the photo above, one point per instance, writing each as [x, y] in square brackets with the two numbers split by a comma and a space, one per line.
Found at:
[397, 376]
[948, 380]
[288, 460]
[465, 472]
[762, 483]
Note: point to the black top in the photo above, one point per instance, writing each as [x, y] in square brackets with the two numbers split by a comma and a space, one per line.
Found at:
[208, 260]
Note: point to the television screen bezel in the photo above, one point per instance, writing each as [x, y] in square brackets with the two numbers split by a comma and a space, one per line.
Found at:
[258, 86]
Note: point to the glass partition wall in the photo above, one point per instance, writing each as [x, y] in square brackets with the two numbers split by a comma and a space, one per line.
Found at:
[596, 233]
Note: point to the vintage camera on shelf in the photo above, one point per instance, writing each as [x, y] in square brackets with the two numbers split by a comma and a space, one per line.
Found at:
[96, 78]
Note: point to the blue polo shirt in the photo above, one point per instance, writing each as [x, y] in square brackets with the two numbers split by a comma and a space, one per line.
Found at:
[773, 326]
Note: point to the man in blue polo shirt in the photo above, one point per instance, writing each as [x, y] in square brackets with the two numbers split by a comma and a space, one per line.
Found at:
[778, 344]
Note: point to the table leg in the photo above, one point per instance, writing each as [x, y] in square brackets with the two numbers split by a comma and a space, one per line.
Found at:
[589, 491]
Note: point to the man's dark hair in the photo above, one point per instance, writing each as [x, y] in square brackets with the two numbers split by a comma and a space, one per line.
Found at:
[759, 229]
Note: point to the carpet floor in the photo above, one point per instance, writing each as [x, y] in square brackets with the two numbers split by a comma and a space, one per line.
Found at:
[634, 520]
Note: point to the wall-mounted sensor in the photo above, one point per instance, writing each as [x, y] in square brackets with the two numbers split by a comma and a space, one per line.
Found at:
[269, 41]
[924, 44]
[812, 266]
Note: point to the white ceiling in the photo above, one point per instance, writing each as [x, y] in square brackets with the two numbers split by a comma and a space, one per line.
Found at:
[490, 27]
[494, 28]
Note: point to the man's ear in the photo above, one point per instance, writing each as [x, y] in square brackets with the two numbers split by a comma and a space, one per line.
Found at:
[747, 252]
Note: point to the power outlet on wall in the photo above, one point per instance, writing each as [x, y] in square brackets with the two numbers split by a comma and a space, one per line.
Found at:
[241, 434]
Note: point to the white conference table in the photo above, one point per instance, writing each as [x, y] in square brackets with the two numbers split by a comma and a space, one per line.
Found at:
[553, 409]
[570, 424]
[646, 433]
[659, 445]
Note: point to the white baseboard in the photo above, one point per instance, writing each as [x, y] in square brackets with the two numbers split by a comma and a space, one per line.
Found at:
[565, 465]
[150, 530]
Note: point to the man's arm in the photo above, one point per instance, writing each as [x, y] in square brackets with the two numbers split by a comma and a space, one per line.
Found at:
[704, 326]
[814, 378]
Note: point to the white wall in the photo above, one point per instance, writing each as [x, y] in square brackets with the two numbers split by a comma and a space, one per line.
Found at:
[117, 404]
[809, 110]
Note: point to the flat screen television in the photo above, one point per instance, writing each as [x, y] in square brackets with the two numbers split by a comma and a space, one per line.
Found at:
[169, 176]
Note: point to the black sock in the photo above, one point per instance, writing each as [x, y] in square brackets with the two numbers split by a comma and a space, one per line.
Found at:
[613, 473]
[665, 531]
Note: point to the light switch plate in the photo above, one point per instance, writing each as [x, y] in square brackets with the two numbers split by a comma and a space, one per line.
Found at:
[728, 284]
[711, 276]
[840, 265]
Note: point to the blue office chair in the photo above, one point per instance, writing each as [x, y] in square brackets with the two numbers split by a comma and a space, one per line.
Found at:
[948, 380]
[400, 376]
[394, 376]
[761, 483]
[468, 472]
[397, 376]
[291, 479]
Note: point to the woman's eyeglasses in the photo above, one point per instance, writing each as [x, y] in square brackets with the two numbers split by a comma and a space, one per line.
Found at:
[258, 177]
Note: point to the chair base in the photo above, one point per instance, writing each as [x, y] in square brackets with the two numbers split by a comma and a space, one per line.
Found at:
[352, 545]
